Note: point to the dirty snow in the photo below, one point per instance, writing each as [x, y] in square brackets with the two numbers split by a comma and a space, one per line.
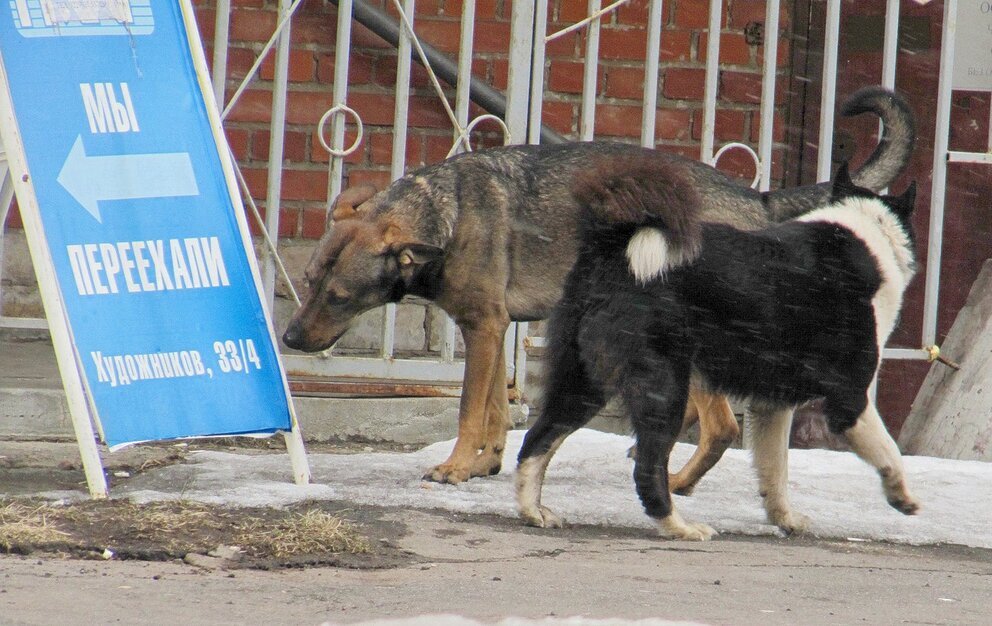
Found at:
[589, 482]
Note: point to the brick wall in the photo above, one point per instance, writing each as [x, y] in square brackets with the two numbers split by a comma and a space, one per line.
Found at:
[372, 76]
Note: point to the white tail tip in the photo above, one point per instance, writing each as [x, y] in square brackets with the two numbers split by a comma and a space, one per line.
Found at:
[648, 254]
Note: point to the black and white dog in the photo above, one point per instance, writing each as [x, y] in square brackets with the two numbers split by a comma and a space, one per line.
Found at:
[797, 311]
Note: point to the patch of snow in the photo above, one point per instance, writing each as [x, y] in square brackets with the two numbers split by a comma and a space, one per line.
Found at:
[589, 482]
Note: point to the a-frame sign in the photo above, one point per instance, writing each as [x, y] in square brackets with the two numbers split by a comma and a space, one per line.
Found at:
[136, 227]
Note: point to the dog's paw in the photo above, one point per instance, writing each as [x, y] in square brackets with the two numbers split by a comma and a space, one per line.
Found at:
[542, 517]
[487, 465]
[448, 473]
[790, 522]
[674, 527]
[905, 504]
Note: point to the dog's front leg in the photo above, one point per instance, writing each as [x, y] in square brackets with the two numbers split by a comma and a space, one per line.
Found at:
[771, 427]
[497, 420]
[872, 442]
[483, 343]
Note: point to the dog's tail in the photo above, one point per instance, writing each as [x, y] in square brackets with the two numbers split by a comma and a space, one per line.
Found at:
[891, 156]
[654, 200]
[889, 159]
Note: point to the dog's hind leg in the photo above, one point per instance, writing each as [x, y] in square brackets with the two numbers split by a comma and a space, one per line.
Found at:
[871, 441]
[571, 399]
[717, 430]
[656, 398]
[771, 427]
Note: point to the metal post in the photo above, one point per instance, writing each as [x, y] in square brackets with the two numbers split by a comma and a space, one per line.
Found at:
[769, 74]
[828, 94]
[518, 79]
[649, 109]
[590, 67]
[712, 82]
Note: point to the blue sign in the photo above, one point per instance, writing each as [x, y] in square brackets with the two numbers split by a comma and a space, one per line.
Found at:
[152, 262]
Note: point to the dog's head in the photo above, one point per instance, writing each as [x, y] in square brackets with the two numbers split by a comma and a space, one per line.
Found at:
[365, 259]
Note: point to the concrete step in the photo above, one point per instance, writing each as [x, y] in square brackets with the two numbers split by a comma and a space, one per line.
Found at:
[33, 405]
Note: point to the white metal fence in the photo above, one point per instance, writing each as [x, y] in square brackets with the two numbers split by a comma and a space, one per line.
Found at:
[526, 84]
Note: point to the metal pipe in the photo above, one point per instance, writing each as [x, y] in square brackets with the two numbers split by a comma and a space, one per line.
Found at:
[587, 114]
[649, 110]
[769, 70]
[708, 134]
[480, 93]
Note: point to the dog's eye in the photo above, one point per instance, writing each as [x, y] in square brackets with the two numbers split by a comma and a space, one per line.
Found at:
[337, 298]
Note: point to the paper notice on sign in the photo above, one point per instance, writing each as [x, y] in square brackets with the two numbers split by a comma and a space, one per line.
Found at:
[86, 11]
[973, 47]
[68, 18]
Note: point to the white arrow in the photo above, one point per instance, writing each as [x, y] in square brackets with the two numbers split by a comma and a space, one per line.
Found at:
[91, 179]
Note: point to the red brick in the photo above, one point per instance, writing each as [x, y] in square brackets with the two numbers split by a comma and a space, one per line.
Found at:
[672, 124]
[625, 82]
[784, 50]
[239, 61]
[676, 45]
[740, 87]
[742, 12]
[625, 45]
[734, 50]
[289, 222]
[571, 11]
[634, 13]
[314, 223]
[256, 180]
[300, 68]
[375, 109]
[694, 14]
[206, 19]
[566, 46]
[566, 76]
[500, 72]
[429, 7]
[683, 83]
[443, 35]
[239, 140]
[618, 121]
[304, 184]
[427, 112]
[317, 30]
[319, 155]
[560, 116]
[490, 37]
[294, 146]
[254, 26]
[380, 179]
[255, 105]
[778, 127]
[362, 37]
[729, 124]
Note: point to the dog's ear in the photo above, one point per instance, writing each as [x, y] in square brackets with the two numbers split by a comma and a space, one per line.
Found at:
[345, 206]
[420, 267]
[843, 186]
[904, 204]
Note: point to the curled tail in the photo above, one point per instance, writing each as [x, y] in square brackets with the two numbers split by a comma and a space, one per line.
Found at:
[895, 146]
[654, 199]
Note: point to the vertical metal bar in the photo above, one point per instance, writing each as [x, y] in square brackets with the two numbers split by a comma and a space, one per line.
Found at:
[712, 82]
[828, 95]
[649, 109]
[465, 48]
[222, 25]
[397, 166]
[339, 95]
[536, 99]
[940, 142]
[769, 74]
[277, 128]
[890, 44]
[590, 68]
[518, 77]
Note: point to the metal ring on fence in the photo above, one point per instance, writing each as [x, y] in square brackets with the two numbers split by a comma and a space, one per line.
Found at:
[754, 155]
[463, 137]
[323, 120]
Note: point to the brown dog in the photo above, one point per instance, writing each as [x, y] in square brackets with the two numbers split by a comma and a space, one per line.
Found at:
[490, 236]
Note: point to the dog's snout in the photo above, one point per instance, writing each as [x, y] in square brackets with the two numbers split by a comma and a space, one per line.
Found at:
[293, 337]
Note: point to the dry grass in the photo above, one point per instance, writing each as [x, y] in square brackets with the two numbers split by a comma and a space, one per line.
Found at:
[24, 524]
[311, 532]
[173, 529]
